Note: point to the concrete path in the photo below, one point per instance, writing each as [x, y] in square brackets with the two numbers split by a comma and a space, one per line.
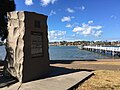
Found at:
[61, 82]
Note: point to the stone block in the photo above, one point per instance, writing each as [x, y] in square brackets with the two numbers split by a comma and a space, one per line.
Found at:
[27, 45]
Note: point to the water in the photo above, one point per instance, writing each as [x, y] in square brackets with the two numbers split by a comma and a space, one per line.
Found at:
[73, 53]
[2, 52]
[66, 53]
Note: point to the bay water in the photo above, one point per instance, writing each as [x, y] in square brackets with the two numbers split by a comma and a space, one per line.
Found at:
[74, 53]
[66, 53]
[2, 52]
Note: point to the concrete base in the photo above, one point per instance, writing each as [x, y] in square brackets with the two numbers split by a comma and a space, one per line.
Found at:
[61, 82]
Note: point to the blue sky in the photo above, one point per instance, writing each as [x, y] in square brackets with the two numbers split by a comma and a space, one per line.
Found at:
[74, 20]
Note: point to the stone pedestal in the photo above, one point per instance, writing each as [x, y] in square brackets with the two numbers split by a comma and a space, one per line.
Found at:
[27, 45]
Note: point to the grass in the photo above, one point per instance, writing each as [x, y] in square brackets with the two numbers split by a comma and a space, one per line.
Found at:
[106, 63]
[102, 80]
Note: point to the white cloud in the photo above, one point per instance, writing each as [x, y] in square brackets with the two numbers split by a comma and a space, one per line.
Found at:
[70, 10]
[46, 2]
[52, 12]
[90, 22]
[88, 29]
[69, 25]
[28, 2]
[98, 33]
[56, 35]
[78, 29]
[66, 19]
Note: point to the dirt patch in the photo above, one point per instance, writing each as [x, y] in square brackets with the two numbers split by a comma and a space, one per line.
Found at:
[90, 65]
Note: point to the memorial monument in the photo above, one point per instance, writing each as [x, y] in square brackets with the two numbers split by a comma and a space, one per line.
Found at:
[27, 45]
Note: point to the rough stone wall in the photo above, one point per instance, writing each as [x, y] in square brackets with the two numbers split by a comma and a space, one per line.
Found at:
[15, 44]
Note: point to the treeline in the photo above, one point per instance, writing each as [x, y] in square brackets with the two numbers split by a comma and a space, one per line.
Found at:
[86, 43]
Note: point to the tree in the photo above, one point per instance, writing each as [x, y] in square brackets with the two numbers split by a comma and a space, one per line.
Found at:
[5, 6]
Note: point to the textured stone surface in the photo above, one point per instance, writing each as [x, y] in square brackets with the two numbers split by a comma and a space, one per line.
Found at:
[15, 44]
[13, 15]
[20, 62]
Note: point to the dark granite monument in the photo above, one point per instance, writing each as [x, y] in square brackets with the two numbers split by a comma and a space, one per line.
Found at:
[27, 45]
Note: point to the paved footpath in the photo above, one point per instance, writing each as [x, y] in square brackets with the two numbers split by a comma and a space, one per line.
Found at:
[61, 82]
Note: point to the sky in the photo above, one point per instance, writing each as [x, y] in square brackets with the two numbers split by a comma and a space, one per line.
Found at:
[77, 20]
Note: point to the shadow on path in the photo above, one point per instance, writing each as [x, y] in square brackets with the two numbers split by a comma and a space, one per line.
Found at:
[6, 80]
[54, 71]
[67, 61]
[57, 71]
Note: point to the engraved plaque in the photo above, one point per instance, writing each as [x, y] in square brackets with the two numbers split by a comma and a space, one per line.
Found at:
[36, 44]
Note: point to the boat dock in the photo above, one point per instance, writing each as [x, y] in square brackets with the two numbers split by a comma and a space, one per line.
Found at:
[101, 49]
